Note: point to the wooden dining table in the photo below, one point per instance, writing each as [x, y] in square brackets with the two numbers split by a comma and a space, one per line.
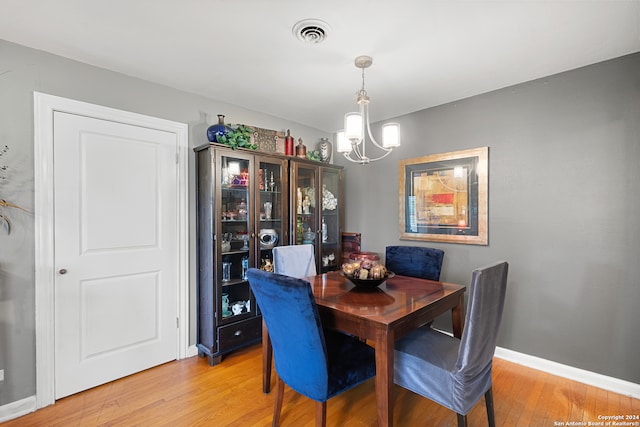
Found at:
[380, 315]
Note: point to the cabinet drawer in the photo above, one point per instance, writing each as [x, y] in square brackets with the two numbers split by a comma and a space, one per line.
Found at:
[239, 334]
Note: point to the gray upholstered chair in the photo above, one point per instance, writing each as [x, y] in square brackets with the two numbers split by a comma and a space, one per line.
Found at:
[456, 373]
[316, 363]
[414, 261]
[294, 260]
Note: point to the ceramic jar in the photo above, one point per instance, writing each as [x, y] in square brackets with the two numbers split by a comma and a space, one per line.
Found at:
[325, 149]
[301, 149]
[308, 237]
[218, 129]
[288, 144]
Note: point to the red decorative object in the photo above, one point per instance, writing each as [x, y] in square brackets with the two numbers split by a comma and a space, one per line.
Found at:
[288, 144]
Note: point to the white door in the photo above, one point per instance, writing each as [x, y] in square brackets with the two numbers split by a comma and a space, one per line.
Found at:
[116, 250]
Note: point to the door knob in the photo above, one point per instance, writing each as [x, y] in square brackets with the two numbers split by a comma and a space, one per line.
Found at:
[63, 271]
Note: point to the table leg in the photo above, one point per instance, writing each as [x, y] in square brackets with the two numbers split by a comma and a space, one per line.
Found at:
[267, 356]
[457, 317]
[384, 377]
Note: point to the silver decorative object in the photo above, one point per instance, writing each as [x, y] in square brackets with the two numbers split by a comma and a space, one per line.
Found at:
[268, 238]
[325, 149]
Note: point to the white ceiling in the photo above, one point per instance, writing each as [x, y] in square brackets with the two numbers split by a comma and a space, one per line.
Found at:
[243, 52]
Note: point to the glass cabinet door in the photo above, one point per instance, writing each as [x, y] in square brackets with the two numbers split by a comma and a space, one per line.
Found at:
[271, 210]
[330, 231]
[305, 204]
[316, 192]
[234, 235]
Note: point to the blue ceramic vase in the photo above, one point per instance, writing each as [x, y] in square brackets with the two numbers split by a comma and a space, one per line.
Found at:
[218, 129]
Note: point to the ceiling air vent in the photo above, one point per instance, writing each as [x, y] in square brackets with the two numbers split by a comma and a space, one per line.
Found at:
[311, 31]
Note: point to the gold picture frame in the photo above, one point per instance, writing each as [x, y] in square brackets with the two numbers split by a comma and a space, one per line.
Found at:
[443, 197]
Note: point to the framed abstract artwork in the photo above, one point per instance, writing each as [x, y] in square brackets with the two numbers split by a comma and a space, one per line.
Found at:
[443, 197]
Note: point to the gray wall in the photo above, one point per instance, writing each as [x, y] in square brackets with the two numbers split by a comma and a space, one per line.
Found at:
[564, 154]
[23, 71]
[564, 209]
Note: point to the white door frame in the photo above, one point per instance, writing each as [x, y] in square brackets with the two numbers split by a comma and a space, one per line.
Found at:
[44, 106]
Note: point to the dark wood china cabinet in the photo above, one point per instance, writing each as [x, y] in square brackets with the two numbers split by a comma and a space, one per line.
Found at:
[247, 203]
[242, 213]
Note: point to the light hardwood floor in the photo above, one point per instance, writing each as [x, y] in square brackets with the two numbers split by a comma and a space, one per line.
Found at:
[192, 393]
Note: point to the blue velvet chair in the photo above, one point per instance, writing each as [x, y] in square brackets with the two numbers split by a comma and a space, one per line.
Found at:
[316, 363]
[295, 261]
[453, 372]
[414, 261]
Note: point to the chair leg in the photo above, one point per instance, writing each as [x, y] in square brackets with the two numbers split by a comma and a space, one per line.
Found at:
[488, 400]
[277, 406]
[267, 357]
[462, 420]
[321, 414]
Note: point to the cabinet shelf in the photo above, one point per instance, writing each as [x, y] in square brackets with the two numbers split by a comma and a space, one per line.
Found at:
[330, 243]
[236, 251]
[226, 283]
[235, 317]
[230, 318]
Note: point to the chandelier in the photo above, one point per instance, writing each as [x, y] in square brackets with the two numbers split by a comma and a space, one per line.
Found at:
[352, 140]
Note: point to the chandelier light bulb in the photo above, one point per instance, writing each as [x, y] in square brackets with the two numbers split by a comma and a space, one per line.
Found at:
[344, 145]
[391, 135]
[353, 127]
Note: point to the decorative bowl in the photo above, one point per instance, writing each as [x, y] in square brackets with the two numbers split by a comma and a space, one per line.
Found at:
[368, 283]
[268, 238]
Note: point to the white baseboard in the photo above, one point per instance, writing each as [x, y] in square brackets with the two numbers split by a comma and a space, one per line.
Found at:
[192, 351]
[587, 377]
[604, 382]
[17, 409]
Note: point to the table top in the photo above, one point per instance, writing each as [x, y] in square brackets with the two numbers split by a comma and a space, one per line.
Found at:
[393, 301]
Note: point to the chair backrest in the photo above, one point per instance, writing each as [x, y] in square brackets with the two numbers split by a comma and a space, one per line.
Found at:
[294, 260]
[414, 261]
[482, 322]
[291, 315]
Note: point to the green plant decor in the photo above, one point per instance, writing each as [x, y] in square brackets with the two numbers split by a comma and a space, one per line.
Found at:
[313, 155]
[238, 137]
